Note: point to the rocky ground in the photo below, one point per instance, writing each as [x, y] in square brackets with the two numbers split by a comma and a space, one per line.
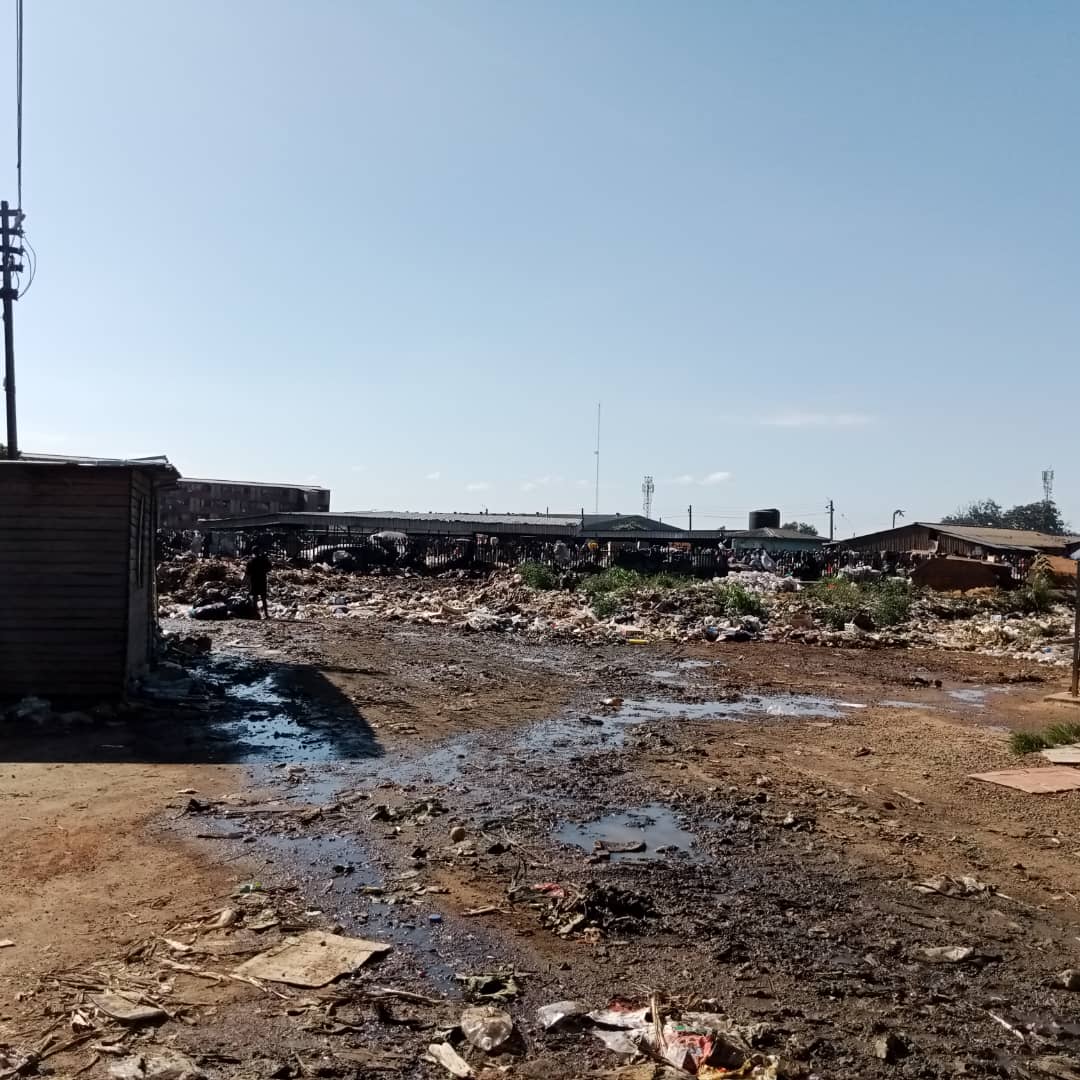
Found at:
[775, 843]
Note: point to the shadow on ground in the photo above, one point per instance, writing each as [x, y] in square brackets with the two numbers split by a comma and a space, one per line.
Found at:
[239, 712]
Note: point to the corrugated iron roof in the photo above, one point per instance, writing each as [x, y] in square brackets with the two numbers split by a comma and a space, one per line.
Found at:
[991, 537]
[254, 483]
[159, 462]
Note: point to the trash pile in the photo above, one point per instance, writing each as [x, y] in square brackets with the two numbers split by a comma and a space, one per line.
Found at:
[695, 611]
[704, 1044]
[501, 602]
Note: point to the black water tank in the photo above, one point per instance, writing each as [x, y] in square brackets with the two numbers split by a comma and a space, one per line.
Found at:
[764, 519]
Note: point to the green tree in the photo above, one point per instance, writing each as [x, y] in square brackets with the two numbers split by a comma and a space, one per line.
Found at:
[801, 527]
[1042, 516]
[984, 512]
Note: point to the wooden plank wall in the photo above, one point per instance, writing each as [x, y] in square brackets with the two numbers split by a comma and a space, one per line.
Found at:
[141, 617]
[64, 571]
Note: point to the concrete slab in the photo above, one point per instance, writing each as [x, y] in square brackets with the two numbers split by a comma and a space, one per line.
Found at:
[1034, 781]
[1063, 755]
[1064, 697]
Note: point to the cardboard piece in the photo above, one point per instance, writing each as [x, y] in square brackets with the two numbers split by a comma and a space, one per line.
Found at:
[1034, 781]
[1063, 755]
[313, 959]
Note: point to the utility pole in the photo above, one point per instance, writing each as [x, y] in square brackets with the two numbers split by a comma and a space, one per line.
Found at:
[10, 226]
[895, 515]
[690, 518]
[832, 509]
[596, 498]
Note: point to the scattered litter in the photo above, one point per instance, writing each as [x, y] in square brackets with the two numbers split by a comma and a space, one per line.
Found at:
[6, 943]
[163, 1064]
[445, 1055]
[489, 987]
[486, 1027]
[950, 886]
[558, 1012]
[225, 917]
[890, 1047]
[118, 1007]
[312, 959]
[948, 954]
[1070, 979]
[1037, 781]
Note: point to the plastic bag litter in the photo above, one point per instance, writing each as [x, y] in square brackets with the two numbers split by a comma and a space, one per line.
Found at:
[551, 1016]
[486, 1027]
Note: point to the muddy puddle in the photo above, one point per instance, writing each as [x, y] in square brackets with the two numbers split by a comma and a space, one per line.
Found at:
[267, 717]
[640, 834]
[271, 715]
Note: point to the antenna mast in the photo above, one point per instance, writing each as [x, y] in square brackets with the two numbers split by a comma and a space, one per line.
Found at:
[647, 489]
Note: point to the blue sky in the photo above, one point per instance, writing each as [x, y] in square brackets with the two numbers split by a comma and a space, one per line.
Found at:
[799, 250]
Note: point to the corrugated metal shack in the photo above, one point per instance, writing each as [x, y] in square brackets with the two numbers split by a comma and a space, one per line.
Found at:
[77, 573]
[968, 541]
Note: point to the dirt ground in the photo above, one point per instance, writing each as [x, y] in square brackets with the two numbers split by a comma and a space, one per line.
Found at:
[440, 793]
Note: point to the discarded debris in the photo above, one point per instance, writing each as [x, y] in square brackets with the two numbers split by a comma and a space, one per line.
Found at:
[225, 917]
[163, 1064]
[126, 1011]
[445, 1055]
[489, 987]
[312, 959]
[1036, 781]
[949, 954]
[6, 943]
[559, 1012]
[950, 886]
[1069, 978]
[890, 1047]
[603, 907]
[486, 1027]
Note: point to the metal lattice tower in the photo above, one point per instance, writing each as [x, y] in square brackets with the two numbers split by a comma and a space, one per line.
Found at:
[1048, 485]
[647, 489]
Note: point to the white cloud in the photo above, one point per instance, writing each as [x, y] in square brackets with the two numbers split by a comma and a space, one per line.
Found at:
[582, 483]
[797, 419]
[529, 485]
[686, 479]
[359, 468]
[478, 485]
[436, 475]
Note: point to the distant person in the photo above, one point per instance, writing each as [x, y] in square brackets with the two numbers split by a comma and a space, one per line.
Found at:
[258, 581]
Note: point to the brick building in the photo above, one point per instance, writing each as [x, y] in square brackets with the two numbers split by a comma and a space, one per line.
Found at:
[192, 500]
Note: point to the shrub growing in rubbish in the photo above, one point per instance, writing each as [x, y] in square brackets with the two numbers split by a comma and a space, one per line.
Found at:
[605, 605]
[837, 601]
[538, 576]
[735, 599]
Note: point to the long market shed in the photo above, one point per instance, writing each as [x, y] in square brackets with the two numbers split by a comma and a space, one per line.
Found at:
[968, 541]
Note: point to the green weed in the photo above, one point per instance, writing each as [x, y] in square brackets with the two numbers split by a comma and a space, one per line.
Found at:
[538, 576]
[1027, 742]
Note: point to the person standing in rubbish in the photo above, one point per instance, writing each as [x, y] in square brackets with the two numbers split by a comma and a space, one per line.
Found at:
[257, 575]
